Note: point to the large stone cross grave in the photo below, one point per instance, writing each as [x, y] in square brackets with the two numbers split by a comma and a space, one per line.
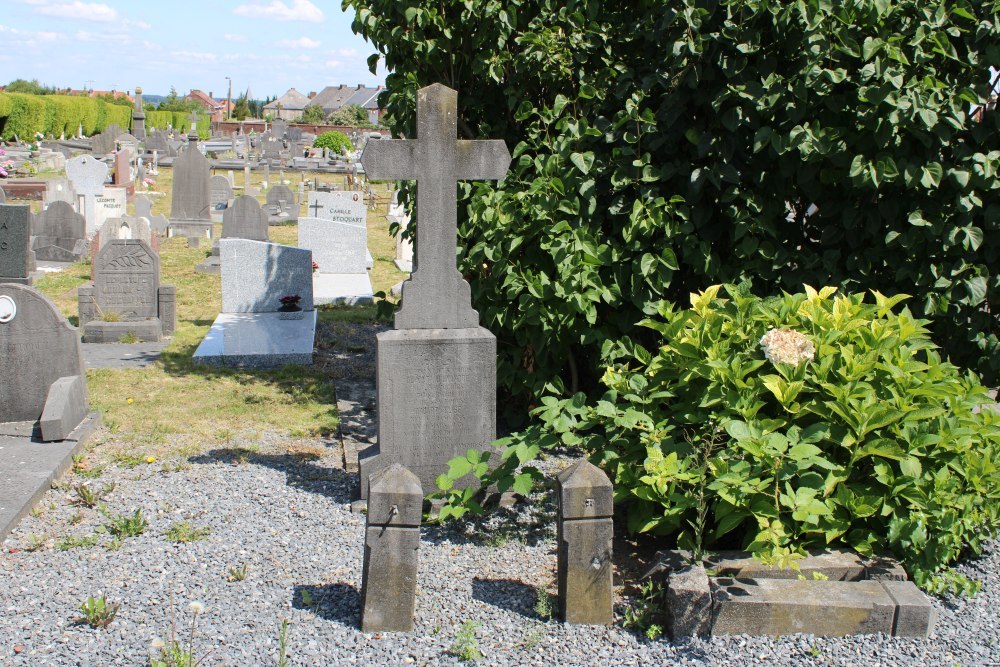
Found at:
[436, 296]
[436, 382]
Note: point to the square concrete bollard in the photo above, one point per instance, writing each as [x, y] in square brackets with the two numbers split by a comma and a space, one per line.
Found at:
[392, 538]
[585, 532]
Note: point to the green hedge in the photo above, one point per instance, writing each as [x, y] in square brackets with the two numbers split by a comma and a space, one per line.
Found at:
[176, 119]
[24, 115]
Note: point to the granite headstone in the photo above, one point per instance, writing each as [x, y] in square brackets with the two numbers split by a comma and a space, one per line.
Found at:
[17, 260]
[59, 234]
[255, 275]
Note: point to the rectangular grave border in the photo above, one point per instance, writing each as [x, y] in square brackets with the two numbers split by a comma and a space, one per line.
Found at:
[831, 593]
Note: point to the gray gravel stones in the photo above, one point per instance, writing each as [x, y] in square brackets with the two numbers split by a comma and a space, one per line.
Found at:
[288, 519]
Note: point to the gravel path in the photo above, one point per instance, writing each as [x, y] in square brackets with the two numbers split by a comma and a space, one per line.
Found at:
[283, 511]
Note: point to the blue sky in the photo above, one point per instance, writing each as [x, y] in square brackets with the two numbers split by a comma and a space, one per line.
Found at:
[266, 45]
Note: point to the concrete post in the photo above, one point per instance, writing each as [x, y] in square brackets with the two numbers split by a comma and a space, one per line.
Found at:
[585, 532]
[167, 309]
[392, 537]
[87, 305]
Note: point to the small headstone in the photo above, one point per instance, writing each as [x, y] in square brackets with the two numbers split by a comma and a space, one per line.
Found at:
[104, 143]
[87, 176]
[281, 205]
[17, 260]
[221, 193]
[40, 363]
[255, 275]
[190, 210]
[112, 204]
[127, 283]
[337, 247]
[245, 219]
[585, 532]
[59, 189]
[392, 541]
[60, 234]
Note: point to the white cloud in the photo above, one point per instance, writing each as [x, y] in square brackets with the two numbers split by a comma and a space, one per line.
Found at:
[333, 63]
[346, 53]
[194, 56]
[15, 37]
[87, 11]
[300, 10]
[230, 37]
[300, 43]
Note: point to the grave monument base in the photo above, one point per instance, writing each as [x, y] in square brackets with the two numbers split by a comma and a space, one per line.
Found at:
[436, 399]
[192, 229]
[147, 331]
[212, 263]
[349, 289]
[258, 340]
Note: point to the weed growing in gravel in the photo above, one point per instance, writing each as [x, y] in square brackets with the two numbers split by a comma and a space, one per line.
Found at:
[183, 532]
[543, 604]
[283, 643]
[466, 647]
[36, 542]
[641, 611]
[172, 653]
[68, 543]
[128, 460]
[123, 526]
[76, 518]
[87, 496]
[238, 573]
[97, 613]
[309, 601]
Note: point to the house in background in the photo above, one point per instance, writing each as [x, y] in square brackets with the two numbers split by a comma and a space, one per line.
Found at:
[289, 106]
[214, 108]
[332, 98]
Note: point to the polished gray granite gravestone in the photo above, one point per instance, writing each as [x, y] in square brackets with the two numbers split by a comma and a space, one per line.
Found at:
[43, 399]
[253, 330]
[437, 369]
[339, 249]
[17, 259]
[190, 203]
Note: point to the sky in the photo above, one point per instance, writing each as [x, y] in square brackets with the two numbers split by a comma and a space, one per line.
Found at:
[267, 46]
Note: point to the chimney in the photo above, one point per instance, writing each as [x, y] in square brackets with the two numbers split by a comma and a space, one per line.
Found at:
[360, 86]
[312, 94]
[211, 94]
[341, 86]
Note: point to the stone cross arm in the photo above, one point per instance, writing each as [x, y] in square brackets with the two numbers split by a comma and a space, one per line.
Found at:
[398, 159]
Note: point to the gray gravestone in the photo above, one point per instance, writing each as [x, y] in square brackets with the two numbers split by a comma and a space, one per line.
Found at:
[3, 196]
[124, 228]
[60, 189]
[126, 283]
[104, 143]
[17, 260]
[112, 204]
[281, 204]
[337, 247]
[87, 176]
[190, 204]
[59, 234]
[392, 541]
[221, 193]
[139, 116]
[245, 219]
[346, 207]
[279, 128]
[585, 531]
[255, 275]
[436, 394]
[40, 363]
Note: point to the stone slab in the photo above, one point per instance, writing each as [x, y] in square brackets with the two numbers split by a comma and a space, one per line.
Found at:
[389, 579]
[775, 607]
[350, 289]
[915, 616]
[834, 565]
[148, 331]
[255, 275]
[122, 355]
[28, 466]
[66, 407]
[436, 397]
[258, 340]
[17, 260]
[688, 602]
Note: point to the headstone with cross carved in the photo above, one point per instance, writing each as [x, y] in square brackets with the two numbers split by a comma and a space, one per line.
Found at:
[436, 393]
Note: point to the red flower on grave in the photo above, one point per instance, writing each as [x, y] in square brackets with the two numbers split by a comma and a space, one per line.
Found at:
[290, 299]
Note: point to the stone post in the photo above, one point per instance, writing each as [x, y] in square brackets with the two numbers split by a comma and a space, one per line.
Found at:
[392, 537]
[86, 304]
[585, 532]
[167, 308]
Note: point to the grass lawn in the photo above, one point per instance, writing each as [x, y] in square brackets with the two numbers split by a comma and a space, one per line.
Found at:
[176, 408]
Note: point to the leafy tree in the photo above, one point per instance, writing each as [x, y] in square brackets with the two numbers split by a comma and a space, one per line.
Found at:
[110, 98]
[660, 147]
[313, 113]
[241, 108]
[32, 87]
[335, 141]
[351, 115]
[174, 102]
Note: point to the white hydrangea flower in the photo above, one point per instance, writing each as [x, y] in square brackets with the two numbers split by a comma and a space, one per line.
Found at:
[785, 346]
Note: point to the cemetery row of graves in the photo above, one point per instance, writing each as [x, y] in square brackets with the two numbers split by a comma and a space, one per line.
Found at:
[261, 276]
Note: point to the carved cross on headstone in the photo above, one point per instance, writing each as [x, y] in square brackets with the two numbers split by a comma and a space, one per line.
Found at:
[316, 207]
[436, 296]
[194, 122]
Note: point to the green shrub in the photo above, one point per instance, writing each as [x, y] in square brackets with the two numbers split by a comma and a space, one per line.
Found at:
[335, 141]
[874, 444]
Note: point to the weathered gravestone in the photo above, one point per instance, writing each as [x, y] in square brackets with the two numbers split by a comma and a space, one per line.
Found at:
[139, 116]
[125, 227]
[87, 176]
[60, 234]
[17, 260]
[144, 210]
[282, 206]
[255, 329]
[190, 209]
[436, 395]
[126, 283]
[104, 143]
[59, 189]
[221, 194]
[40, 363]
[245, 219]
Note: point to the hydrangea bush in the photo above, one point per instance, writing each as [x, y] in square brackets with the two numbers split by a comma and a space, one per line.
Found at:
[791, 423]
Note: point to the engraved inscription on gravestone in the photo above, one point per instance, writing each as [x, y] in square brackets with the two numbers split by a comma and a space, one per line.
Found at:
[127, 279]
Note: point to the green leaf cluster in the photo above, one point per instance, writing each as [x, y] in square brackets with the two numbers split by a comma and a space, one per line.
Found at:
[337, 142]
[660, 147]
[876, 443]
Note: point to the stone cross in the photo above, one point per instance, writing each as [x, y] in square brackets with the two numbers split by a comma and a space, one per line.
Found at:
[194, 123]
[436, 296]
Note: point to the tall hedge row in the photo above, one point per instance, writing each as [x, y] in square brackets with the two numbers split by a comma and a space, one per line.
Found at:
[24, 115]
[161, 119]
